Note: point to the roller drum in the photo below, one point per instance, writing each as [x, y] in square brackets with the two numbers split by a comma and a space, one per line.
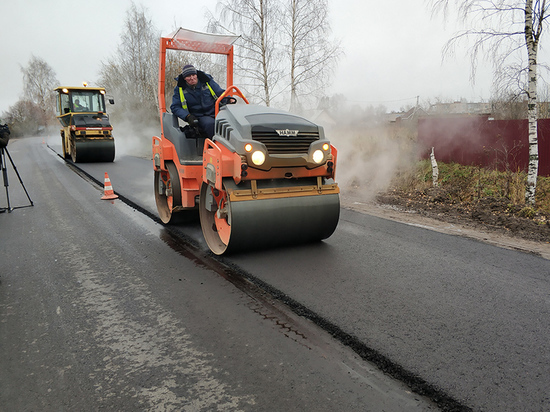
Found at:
[94, 151]
[274, 222]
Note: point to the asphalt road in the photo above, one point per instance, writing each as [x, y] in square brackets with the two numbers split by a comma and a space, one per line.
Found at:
[101, 308]
[449, 315]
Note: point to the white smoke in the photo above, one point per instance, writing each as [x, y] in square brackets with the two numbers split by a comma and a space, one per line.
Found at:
[134, 138]
[369, 157]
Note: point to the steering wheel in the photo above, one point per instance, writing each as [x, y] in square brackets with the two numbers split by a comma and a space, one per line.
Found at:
[228, 100]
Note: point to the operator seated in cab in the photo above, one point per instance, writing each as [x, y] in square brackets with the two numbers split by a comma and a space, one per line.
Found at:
[194, 99]
[78, 107]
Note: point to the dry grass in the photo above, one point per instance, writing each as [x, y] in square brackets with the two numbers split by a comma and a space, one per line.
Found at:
[471, 184]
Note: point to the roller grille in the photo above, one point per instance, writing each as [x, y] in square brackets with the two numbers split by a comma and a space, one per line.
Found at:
[276, 144]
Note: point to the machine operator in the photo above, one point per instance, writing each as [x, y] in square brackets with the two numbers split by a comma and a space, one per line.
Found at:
[195, 97]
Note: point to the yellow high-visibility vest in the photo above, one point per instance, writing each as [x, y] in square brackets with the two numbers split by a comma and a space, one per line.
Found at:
[182, 97]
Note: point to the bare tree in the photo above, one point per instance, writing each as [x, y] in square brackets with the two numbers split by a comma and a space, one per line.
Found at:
[503, 28]
[280, 41]
[258, 58]
[509, 106]
[132, 73]
[534, 21]
[312, 55]
[39, 81]
[24, 118]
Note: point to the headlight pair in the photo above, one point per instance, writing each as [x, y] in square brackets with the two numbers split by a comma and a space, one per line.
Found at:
[319, 155]
[258, 157]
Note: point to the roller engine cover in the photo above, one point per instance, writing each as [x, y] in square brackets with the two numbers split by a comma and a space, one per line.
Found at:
[286, 138]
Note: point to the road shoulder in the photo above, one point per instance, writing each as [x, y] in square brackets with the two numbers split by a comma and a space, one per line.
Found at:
[410, 217]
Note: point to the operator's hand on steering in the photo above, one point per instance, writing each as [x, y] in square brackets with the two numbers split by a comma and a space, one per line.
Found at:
[228, 100]
[192, 120]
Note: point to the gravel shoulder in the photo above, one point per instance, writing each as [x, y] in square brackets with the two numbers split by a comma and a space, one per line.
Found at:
[398, 209]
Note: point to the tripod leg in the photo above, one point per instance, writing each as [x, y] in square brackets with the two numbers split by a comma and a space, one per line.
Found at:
[5, 176]
[19, 177]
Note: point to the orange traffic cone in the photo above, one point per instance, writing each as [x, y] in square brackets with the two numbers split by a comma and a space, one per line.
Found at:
[109, 193]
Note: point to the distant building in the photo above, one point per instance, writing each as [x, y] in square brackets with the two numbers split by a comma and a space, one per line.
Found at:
[460, 107]
[409, 116]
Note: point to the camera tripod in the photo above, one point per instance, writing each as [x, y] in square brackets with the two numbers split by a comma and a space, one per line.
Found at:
[4, 167]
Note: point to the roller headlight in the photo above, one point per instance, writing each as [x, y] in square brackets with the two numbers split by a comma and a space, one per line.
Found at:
[318, 156]
[258, 158]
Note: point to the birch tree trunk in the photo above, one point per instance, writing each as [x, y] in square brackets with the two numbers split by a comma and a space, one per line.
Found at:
[531, 40]
[435, 169]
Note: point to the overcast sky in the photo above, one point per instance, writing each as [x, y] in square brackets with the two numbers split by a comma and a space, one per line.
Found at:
[393, 49]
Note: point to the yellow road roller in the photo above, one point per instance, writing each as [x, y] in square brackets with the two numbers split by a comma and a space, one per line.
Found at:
[86, 133]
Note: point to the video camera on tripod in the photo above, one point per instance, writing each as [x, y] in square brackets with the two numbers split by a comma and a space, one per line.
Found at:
[4, 139]
[4, 135]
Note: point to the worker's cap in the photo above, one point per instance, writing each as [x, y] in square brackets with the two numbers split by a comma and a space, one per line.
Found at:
[188, 70]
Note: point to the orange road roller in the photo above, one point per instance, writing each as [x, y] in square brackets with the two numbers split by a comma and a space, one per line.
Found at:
[265, 179]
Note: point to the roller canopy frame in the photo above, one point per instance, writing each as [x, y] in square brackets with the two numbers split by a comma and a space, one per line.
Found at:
[189, 40]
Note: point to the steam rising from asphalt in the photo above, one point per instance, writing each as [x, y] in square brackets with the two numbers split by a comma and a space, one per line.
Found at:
[370, 152]
[369, 156]
[134, 138]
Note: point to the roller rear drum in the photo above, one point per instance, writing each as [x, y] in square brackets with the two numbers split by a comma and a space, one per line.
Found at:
[230, 226]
